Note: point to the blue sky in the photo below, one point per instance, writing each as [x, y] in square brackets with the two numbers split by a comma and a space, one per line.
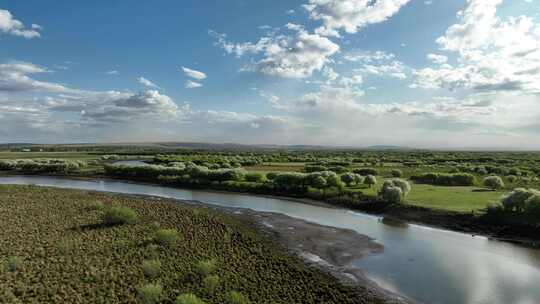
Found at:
[440, 73]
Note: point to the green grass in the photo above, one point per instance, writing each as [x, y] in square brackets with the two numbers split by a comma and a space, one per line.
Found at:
[70, 257]
[463, 199]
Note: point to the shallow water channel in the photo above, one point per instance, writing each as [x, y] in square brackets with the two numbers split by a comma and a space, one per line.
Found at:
[425, 264]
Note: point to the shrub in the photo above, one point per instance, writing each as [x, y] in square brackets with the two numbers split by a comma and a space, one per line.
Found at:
[211, 283]
[358, 179]
[254, 177]
[271, 175]
[119, 216]
[396, 173]
[150, 293]
[392, 194]
[97, 206]
[403, 185]
[166, 237]
[189, 298]
[532, 206]
[314, 168]
[442, 179]
[317, 181]
[348, 178]
[235, 297]
[370, 180]
[338, 169]
[206, 267]
[394, 190]
[494, 182]
[14, 263]
[516, 201]
[151, 268]
[366, 171]
[511, 178]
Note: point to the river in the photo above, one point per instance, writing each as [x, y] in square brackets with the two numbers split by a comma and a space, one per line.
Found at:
[425, 264]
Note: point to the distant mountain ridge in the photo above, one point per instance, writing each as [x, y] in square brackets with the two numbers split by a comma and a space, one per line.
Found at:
[205, 146]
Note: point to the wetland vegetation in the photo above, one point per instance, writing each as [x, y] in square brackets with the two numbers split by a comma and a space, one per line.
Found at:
[79, 247]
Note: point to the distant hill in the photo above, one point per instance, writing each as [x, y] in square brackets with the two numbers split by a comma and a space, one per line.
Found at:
[193, 145]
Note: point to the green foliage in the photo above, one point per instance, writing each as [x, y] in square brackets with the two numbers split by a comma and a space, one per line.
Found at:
[53, 166]
[392, 195]
[370, 180]
[443, 179]
[254, 177]
[494, 182]
[235, 297]
[166, 237]
[271, 175]
[517, 200]
[206, 267]
[367, 171]
[396, 173]
[150, 294]
[110, 260]
[14, 263]
[211, 283]
[97, 206]
[189, 298]
[151, 268]
[532, 207]
[348, 178]
[119, 216]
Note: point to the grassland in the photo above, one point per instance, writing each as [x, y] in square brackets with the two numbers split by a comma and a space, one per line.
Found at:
[54, 249]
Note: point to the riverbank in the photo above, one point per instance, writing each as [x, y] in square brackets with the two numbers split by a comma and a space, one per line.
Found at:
[466, 222]
[64, 254]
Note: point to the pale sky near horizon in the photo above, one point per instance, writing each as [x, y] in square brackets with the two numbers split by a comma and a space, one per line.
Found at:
[417, 73]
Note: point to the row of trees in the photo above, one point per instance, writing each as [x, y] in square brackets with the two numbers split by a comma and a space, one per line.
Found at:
[446, 179]
[42, 165]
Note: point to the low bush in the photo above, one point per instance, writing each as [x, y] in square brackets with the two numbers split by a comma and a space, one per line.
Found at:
[189, 298]
[119, 216]
[235, 297]
[254, 177]
[396, 173]
[391, 195]
[211, 283]
[394, 190]
[166, 237]
[206, 267]
[151, 268]
[14, 263]
[366, 171]
[494, 182]
[150, 293]
[517, 200]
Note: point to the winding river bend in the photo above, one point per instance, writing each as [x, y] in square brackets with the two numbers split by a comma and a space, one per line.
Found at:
[425, 264]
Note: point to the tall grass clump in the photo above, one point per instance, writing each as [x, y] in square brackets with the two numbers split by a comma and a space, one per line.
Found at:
[166, 237]
[151, 268]
[206, 267]
[14, 263]
[235, 297]
[211, 283]
[150, 294]
[188, 298]
[119, 216]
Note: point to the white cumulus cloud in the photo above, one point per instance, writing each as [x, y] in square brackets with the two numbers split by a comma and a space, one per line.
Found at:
[12, 26]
